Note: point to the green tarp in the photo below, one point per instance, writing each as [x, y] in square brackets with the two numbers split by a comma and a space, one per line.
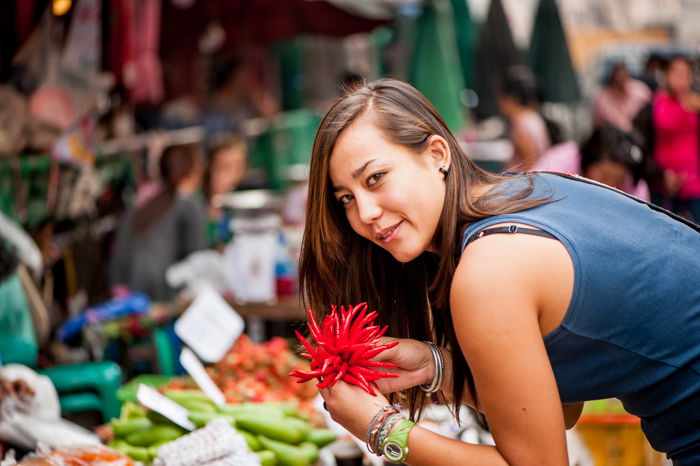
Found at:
[435, 69]
[549, 56]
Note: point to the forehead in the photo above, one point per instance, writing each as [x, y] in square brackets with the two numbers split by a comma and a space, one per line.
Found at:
[358, 141]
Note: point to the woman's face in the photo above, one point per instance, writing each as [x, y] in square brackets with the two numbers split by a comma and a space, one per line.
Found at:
[227, 169]
[392, 196]
[679, 77]
[608, 172]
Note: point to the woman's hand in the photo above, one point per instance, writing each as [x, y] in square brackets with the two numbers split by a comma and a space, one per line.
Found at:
[352, 407]
[415, 363]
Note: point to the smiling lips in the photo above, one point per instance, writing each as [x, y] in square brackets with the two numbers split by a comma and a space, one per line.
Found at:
[387, 234]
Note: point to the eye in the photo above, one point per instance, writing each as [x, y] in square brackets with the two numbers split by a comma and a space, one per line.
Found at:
[345, 199]
[374, 179]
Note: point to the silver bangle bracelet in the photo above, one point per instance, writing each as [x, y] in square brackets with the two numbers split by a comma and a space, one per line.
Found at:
[439, 362]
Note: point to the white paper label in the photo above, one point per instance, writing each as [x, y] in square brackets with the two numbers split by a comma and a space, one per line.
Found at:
[150, 398]
[209, 326]
[195, 368]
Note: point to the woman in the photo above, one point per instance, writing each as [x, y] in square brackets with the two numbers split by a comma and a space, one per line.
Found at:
[225, 171]
[528, 130]
[619, 100]
[609, 156]
[164, 229]
[676, 127]
[570, 306]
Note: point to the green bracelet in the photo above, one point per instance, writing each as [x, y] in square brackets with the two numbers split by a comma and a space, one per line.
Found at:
[395, 447]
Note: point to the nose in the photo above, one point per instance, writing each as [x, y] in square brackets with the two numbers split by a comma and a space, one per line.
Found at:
[367, 208]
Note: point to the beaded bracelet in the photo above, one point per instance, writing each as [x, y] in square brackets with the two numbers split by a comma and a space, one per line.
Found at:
[439, 362]
[387, 424]
[375, 423]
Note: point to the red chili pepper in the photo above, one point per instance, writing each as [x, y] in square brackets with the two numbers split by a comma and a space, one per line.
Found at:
[346, 340]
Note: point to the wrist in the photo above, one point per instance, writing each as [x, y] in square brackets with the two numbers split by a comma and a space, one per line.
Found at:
[438, 365]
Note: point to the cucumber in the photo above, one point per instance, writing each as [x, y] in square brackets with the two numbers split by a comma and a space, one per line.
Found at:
[200, 406]
[321, 437]
[253, 409]
[134, 452]
[303, 426]
[182, 395]
[122, 428]
[155, 434]
[267, 458]
[287, 455]
[310, 450]
[131, 410]
[200, 419]
[251, 439]
[275, 428]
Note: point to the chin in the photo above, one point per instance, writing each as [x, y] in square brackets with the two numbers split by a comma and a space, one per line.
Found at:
[404, 256]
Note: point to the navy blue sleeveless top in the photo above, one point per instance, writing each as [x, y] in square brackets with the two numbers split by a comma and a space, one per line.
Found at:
[632, 329]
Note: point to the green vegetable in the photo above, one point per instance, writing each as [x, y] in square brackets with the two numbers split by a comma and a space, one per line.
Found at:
[251, 440]
[157, 418]
[252, 409]
[287, 455]
[122, 428]
[200, 419]
[267, 458]
[303, 426]
[321, 437]
[131, 410]
[310, 450]
[198, 406]
[155, 434]
[275, 428]
[179, 396]
[134, 452]
[289, 409]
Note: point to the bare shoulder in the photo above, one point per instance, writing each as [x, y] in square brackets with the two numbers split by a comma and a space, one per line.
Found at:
[535, 271]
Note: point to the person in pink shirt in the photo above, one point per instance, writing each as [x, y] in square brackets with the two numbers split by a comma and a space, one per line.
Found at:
[619, 100]
[676, 136]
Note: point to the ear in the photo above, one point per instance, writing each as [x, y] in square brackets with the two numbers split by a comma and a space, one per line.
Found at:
[439, 152]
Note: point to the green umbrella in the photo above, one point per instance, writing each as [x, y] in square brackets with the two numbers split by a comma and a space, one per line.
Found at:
[549, 56]
[495, 54]
[435, 69]
[466, 31]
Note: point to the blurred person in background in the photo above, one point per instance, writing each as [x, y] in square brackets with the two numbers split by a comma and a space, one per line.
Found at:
[671, 130]
[614, 157]
[164, 229]
[228, 159]
[619, 99]
[236, 97]
[653, 71]
[518, 101]
[609, 155]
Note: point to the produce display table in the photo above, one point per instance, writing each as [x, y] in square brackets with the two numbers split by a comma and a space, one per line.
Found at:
[617, 438]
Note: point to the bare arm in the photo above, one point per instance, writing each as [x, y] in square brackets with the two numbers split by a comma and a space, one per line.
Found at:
[496, 297]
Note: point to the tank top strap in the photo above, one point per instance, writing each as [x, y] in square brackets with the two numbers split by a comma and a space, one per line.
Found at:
[511, 229]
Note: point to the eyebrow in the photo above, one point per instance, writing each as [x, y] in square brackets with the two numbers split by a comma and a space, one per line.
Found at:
[356, 174]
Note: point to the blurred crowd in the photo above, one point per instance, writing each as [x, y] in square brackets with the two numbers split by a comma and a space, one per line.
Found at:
[644, 139]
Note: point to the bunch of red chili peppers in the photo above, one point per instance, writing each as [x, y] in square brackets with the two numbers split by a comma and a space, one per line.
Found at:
[347, 340]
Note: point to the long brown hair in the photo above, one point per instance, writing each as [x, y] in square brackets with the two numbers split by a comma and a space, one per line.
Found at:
[338, 266]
